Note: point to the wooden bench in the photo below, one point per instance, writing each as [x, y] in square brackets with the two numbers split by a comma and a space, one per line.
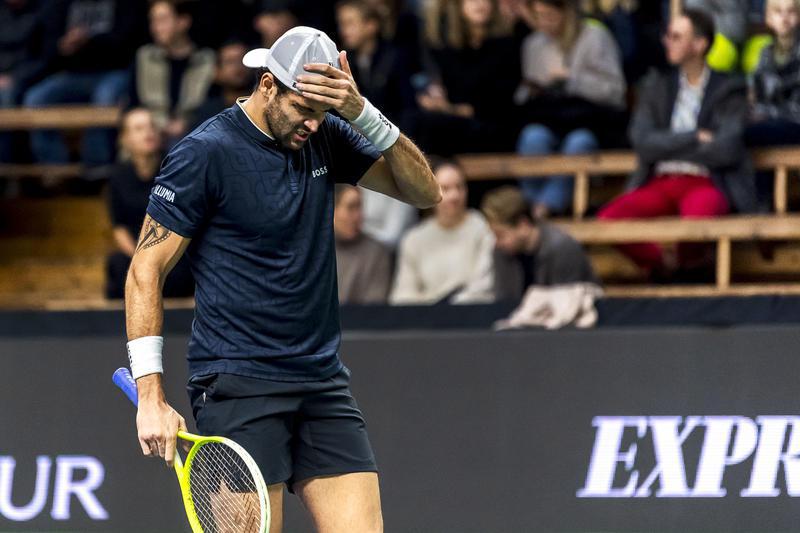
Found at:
[723, 231]
[66, 117]
[17, 171]
[582, 167]
[59, 117]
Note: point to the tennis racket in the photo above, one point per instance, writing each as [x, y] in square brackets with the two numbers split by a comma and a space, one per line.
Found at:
[223, 490]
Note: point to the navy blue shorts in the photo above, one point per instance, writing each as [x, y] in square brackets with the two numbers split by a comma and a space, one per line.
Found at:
[294, 431]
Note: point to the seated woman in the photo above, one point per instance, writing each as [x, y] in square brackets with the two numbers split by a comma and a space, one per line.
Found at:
[130, 184]
[573, 88]
[448, 257]
[775, 85]
[473, 68]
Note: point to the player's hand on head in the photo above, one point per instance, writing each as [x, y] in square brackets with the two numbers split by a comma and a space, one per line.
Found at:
[158, 424]
[330, 86]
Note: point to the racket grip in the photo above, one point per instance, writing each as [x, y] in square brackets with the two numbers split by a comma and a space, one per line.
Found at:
[122, 378]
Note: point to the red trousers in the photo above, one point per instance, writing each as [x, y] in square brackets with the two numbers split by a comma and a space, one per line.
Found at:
[667, 195]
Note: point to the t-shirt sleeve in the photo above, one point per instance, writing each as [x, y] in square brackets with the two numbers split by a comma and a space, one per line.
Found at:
[352, 153]
[179, 198]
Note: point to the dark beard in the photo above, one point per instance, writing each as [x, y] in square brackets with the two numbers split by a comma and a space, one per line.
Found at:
[278, 127]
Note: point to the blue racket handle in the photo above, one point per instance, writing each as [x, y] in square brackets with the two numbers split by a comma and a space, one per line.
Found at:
[122, 378]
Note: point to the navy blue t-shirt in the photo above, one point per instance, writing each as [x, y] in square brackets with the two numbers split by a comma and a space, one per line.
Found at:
[260, 217]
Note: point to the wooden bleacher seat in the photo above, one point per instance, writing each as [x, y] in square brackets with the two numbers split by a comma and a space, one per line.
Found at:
[63, 265]
[502, 166]
[722, 231]
[71, 170]
[71, 117]
[59, 117]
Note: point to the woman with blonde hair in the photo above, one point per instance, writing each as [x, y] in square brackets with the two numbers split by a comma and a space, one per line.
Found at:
[130, 183]
[473, 64]
[573, 89]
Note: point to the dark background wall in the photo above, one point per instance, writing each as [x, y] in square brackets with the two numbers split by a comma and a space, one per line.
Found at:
[474, 432]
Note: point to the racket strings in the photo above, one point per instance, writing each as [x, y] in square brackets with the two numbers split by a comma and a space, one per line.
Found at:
[223, 490]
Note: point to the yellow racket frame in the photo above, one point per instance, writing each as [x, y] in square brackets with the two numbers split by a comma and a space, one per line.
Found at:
[182, 470]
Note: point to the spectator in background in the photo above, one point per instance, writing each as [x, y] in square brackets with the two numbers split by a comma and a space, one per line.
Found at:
[730, 21]
[529, 252]
[775, 85]
[382, 76]
[400, 25]
[467, 106]
[363, 265]
[21, 63]
[21, 42]
[379, 68]
[687, 131]
[130, 184]
[573, 88]
[447, 257]
[232, 80]
[274, 18]
[171, 76]
[89, 44]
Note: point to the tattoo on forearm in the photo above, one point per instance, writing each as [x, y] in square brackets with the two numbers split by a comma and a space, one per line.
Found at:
[152, 234]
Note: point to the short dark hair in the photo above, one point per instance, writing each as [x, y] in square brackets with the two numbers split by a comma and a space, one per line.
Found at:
[506, 205]
[282, 88]
[702, 25]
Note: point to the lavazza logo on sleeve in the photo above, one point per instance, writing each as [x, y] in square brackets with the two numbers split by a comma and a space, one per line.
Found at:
[648, 456]
[75, 478]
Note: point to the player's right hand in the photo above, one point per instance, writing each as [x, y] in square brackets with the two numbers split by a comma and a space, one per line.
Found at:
[158, 424]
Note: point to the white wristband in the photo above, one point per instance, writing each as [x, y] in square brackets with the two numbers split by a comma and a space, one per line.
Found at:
[376, 128]
[144, 355]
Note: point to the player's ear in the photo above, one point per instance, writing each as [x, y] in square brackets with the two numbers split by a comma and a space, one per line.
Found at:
[266, 84]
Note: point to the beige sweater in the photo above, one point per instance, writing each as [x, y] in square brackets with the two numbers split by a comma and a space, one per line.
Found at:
[434, 262]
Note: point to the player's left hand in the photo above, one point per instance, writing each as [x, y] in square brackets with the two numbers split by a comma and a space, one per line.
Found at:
[330, 86]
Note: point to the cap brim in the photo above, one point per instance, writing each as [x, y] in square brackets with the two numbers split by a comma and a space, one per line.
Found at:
[256, 58]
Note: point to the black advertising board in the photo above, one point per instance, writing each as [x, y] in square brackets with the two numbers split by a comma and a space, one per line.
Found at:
[609, 430]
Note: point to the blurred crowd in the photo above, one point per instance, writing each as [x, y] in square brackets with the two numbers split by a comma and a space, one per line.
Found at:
[688, 92]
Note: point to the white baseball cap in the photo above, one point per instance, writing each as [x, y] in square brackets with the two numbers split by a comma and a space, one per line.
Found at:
[297, 47]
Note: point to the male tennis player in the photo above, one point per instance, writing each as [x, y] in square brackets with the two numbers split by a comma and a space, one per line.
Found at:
[249, 196]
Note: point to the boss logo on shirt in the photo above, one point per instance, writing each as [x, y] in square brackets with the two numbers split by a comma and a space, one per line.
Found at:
[163, 192]
[321, 171]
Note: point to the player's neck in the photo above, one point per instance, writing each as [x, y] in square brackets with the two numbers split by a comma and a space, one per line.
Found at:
[257, 116]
